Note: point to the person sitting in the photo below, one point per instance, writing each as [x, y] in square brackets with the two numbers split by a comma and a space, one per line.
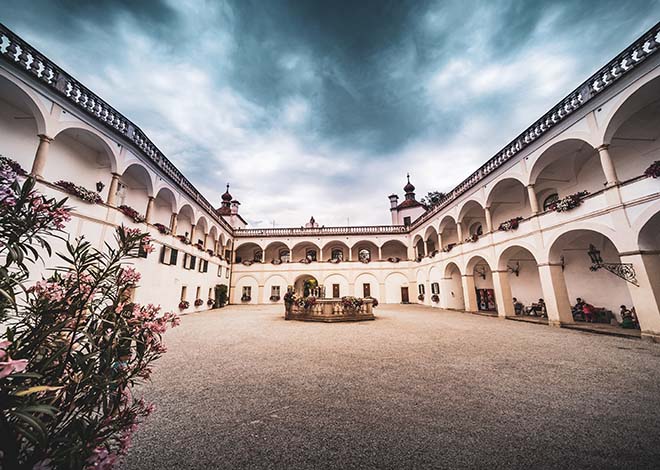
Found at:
[538, 309]
[577, 310]
[542, 310]
[588, 311]
[628, 318]
[518, 307]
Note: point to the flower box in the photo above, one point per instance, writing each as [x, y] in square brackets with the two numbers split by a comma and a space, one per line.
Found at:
[246, 298]
[511, 224]
[183, 239]
[162, 229]
[209, 252]
[199, 302]
[569, 202]
[420, 297]
[210, 302]
[274, 298]
[184, 304]
[132, 213]
[85, 194]
[653, 171]
[435, 298]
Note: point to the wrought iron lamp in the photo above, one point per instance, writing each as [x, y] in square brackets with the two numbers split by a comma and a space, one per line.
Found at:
[625, 271]
[481, 271]
[514, 269]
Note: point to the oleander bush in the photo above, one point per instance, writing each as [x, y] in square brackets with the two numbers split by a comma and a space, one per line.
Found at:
[73, 345]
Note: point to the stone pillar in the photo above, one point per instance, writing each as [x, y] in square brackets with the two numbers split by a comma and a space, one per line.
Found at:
[607, 165]
[350, 253]
[320, 254]
[646, 297]
[192, 234]
[503, 296]
[459, 229]
[41, 156]
[380, 253]
[469, 293]
[440, 245]
[206, 235]
[555, 294]
[489, 220]
[112, 191]
[150, 209]
[173, 223]
[533, 200]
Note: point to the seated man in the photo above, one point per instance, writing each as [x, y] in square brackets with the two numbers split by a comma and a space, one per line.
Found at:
[588, 310]
[628, 318]
[518, 307]
[578, 314]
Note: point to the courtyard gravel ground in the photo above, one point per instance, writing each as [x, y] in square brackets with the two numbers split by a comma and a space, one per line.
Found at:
[418, 388]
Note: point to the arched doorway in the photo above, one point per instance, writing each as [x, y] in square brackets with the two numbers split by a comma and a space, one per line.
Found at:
[478, 286]
[452, 288]
[520, 283]
[306, 285]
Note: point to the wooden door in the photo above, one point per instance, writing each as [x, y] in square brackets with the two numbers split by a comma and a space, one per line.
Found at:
[366, 290]
[335, 291]
[404, 295]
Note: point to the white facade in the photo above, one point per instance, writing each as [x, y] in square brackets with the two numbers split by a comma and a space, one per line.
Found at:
[600, 139]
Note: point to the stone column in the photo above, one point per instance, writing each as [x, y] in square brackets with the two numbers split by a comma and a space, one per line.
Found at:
[459, 229]
[150, 209]
[503, 296]
[469, 293]
[192, 234]
[350, 253]
[646, 296]
[555, 294]
[112, 191]
[380, 253]
[173, 223]
[41, 156]
[320, 254]
[607, 165]
[440, 245]
[489, 220]
[533, 200]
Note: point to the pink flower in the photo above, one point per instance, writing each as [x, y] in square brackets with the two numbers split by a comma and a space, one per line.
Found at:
[3, 348]
[10, 366]
[101, 459]
[129, 275]
[43, 465]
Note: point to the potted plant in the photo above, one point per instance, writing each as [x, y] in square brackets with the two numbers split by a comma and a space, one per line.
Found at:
[210, 302]
[85, 194]
[132, 213]
[245, 298]
[420, 297]
[162, 229]
[199, 302]
[435, 298]
[653, 171]
[184, 304]
[511, 224]
[569, 202]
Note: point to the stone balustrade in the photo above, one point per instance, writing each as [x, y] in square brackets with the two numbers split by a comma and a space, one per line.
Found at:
[330, 310]
[311, 231]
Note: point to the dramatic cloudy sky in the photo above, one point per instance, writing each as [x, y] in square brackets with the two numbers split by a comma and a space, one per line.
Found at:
[321, 107]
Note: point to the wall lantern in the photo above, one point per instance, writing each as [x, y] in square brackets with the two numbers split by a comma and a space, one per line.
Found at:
[625, 271]
[481, 271]
[514, 269]
[99, 186]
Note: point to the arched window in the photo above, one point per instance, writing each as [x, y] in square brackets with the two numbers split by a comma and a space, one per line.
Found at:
[284, 256]
[337, 254]
[549, 201]
[311, 255]
[258, 256]
[477, 229]
[364, 255]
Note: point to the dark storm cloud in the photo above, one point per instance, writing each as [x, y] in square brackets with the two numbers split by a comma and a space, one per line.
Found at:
[314, 103]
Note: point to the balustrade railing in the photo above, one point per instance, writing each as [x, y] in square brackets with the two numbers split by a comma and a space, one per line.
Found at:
[21, 55]
[310, 231]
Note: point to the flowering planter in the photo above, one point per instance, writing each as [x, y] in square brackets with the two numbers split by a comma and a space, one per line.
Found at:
[199, 302]
[162, 229]
[132, 214]
[84, 194]
[184, 304]
[653, 171]
[569, 202]
[511, 224]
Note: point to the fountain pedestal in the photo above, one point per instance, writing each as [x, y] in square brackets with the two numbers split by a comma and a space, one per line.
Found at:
[330, 310]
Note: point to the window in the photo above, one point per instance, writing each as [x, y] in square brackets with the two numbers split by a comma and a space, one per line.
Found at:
[228, 255]
[435, 288]
[258, 256]
[189, 261]
[406, 221]
[364, 255]
[477, 229]
[184, 292]
[275, 291]
[198, 293]
[311, 255]
[284, 256]
[421, 289]
[210, 293]
[247, 291]
[219, 271]
[337, 254]
[168, 255]
[227, 273]
[550, 200]
[203, 265]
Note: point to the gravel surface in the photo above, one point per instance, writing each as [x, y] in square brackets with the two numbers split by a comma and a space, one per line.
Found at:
[417, 388]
